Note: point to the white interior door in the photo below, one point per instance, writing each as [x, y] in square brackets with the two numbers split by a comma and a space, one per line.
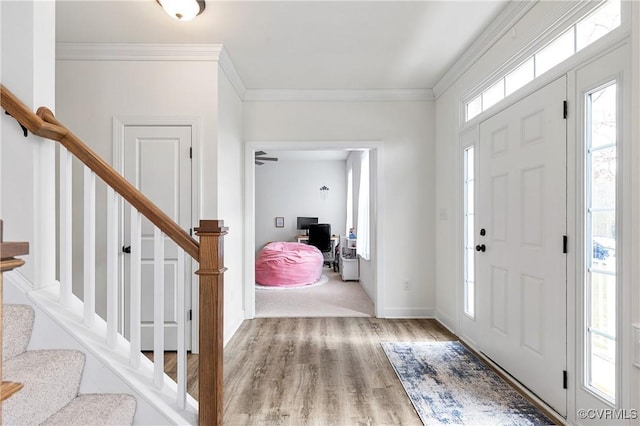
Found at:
[157, 161]
[521, 265]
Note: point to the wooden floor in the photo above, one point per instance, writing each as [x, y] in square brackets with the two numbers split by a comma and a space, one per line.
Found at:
[315, 371]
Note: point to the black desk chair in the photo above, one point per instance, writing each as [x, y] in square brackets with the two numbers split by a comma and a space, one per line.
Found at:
[320, 237]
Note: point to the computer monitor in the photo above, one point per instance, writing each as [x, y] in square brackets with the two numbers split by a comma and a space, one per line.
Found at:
[304, 222]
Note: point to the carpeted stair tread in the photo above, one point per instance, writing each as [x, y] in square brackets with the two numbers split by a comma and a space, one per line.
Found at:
[96, 409]
[17, 323]
[51, 379]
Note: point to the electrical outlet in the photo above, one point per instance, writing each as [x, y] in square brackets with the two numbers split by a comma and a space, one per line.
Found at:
[406, 285]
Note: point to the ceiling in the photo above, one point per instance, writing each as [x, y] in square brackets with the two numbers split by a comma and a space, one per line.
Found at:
[301, 44]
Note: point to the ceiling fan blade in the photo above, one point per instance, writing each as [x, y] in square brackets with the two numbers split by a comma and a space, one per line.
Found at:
[259, 163]
[260, 153]
[267, 159]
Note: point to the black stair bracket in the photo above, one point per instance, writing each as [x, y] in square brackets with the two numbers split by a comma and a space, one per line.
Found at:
[24, 129]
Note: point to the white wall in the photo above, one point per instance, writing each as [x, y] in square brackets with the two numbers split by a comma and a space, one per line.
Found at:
[27, 173]
[230, 199]
[407, 131]
[87, 106]
[291, 188]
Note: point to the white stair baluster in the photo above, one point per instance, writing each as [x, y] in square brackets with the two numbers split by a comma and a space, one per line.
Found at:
[113, 253]
[158, 307]
[135, 287]
[182, 320]
[89, 246]
[66, 242]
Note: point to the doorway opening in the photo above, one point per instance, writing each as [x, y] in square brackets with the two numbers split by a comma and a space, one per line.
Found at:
[309, 180]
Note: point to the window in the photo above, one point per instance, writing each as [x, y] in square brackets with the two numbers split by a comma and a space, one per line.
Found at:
[597, 24]
[349, 221]
[469, 251]
[519, 77]
[474, 107]
[363, 208]
[590, 28]
[493, 94]
[555, 52]
[600, 241]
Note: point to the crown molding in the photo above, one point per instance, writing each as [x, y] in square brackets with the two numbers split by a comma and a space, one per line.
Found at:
[232, 73]
[509, 16]
[152, 52]
[137, 52]
[218, 53]
[339, 95]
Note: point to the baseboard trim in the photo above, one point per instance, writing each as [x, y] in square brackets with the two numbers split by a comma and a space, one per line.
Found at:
[233, 328]
[409, 313]
[446, 322]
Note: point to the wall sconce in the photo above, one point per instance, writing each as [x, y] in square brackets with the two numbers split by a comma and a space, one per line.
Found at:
[324, 192]
[182, 10]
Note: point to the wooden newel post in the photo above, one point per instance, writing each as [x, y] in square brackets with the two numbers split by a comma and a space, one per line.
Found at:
[211, 272]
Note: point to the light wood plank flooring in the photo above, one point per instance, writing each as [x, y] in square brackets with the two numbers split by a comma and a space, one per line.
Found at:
[315, 371]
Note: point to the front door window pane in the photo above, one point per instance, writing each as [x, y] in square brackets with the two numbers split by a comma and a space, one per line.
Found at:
[601, 238]
[603, 178]
[469, 235]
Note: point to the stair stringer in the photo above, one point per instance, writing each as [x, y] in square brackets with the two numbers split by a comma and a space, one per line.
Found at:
[106, 370]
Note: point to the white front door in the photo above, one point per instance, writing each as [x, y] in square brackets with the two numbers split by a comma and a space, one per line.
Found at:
[520, 229]
[157, 161]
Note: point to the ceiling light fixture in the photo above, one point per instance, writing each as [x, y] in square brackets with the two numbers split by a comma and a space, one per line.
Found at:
[182, 10]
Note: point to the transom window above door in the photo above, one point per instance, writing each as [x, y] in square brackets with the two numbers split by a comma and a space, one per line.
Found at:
[574, 38]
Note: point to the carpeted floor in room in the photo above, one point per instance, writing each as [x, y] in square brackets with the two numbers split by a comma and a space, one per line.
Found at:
[335, 298]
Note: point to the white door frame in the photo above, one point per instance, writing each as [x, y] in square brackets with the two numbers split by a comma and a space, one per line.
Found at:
[377, 247]
[119, 124]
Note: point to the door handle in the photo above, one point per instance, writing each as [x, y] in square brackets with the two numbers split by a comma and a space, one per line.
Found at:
[126, 249]
[481, 247]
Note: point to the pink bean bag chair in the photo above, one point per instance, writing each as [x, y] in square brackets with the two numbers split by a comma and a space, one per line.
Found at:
[283, 264]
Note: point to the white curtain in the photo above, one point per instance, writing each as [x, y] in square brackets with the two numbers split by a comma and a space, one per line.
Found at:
[362, 233]
[349, 221]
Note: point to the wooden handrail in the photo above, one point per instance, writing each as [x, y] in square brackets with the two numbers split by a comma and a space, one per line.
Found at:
[45, 125]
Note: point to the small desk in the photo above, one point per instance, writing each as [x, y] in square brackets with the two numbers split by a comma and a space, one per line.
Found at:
[305, 239]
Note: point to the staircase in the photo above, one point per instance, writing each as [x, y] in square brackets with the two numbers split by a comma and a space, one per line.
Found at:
[51, 379]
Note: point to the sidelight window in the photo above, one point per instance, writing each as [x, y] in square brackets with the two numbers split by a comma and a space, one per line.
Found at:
[601, 276]
[469, 251]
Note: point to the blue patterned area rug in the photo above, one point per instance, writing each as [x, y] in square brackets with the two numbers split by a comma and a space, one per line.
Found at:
[447, 384]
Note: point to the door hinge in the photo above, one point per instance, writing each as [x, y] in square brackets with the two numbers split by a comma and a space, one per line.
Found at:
[565, 109]
[190, 315]
[564, 379]
[191, 232]
[190, 152]
[565, 243]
